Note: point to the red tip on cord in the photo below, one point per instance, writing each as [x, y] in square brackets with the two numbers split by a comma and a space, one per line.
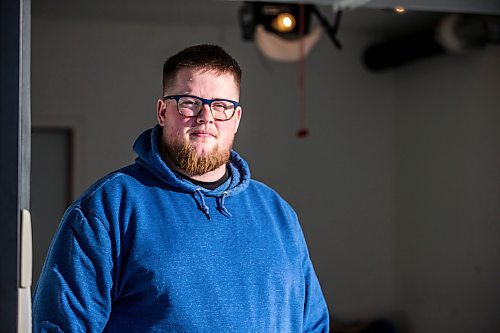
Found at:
[302, 133]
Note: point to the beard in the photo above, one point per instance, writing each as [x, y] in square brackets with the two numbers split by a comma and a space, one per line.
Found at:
[185, 157]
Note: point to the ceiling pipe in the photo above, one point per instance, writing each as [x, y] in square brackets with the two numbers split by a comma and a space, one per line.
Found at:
[484, 7]
[455, 33]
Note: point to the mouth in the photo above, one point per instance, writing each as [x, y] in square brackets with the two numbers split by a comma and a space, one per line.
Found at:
[202, 134]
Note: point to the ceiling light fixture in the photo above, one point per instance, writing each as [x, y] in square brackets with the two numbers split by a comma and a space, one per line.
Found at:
[278, 31]
[399, 10]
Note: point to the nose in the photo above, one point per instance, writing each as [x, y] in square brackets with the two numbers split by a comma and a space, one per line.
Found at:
[205, 115]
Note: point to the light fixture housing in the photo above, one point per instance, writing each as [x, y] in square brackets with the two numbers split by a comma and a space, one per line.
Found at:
[282, 19]
[282, 30]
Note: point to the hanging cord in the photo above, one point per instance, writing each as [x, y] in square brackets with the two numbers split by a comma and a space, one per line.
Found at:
[303, 131]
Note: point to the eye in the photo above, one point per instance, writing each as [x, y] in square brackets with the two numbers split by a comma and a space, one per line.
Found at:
[189, 103]
[221, 106]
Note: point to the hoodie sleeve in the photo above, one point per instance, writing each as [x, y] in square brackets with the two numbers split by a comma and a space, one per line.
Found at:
[73, 293]
[316, 316]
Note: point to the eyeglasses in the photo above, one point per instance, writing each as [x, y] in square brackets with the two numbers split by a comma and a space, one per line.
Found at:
[190, 106]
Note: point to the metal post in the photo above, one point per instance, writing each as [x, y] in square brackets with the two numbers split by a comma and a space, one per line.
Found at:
[15, 126]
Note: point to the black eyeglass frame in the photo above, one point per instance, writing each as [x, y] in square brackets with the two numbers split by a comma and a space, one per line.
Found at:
[203, 102]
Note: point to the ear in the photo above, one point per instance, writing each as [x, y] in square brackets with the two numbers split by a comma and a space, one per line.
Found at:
[161, 111]
[237, 115]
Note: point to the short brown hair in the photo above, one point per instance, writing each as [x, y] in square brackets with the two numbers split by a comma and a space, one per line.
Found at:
[204, 57]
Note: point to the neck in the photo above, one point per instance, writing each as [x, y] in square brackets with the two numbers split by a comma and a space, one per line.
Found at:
[211, 176]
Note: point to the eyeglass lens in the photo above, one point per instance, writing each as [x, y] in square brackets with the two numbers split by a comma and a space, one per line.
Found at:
[191, 106]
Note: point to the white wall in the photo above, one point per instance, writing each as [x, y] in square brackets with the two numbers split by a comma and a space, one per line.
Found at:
[448, 193]
[103, 78]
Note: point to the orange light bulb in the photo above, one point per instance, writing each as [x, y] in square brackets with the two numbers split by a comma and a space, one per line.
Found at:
[284, 22]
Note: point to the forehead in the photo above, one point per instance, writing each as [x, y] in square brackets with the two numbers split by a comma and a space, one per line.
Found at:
[194, 80]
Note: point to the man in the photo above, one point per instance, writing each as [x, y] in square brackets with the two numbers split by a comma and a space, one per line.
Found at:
[183, 240]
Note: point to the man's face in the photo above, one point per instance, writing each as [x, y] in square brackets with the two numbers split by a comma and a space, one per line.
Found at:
[198, 144]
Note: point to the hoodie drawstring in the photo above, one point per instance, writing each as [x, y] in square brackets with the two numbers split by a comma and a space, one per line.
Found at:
[220, 203]
[203, 205]
[223, 208]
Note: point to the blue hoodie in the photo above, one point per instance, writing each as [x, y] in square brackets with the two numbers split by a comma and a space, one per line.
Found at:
[144, 250]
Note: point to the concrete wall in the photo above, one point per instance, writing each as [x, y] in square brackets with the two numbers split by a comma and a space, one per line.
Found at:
[448, 193]
[395, 186]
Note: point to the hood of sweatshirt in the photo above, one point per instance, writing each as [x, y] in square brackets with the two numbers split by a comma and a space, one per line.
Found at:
[148, 155]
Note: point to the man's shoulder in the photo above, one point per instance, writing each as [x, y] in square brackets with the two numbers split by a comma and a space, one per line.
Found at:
[268, 193]
[114, 184]
[262, 186]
